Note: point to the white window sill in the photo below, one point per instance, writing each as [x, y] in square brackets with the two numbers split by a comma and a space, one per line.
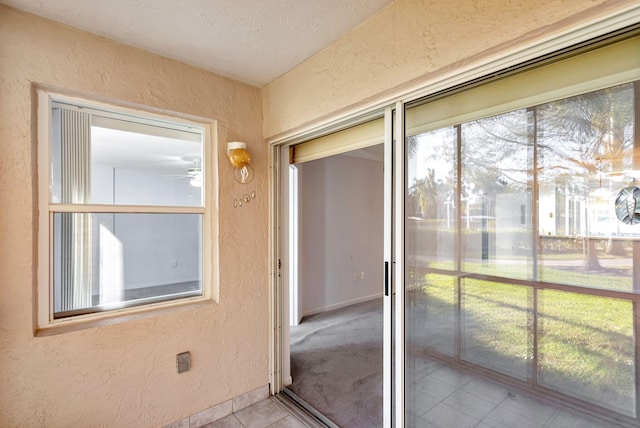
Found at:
[103, 319]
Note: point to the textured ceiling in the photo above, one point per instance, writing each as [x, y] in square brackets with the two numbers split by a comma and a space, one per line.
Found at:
[253, 41]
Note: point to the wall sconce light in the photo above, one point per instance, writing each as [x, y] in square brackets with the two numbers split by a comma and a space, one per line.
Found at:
[239, 157]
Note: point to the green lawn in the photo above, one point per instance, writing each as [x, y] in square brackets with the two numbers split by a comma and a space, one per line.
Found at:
[611, 279]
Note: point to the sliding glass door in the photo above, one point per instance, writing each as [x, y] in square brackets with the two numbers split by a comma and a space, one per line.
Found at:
[336, 275]
[521, 244]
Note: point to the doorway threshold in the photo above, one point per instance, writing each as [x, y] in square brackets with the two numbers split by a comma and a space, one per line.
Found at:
[303, 410]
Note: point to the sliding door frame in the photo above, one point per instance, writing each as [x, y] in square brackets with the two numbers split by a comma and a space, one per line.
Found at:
[390, 278]
[398, 238]
[284, 263]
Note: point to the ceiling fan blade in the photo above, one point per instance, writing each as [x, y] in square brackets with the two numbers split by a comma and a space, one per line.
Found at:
[174, 177]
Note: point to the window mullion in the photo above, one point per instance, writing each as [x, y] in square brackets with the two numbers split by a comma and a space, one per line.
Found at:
[535, 227]
[458, 244]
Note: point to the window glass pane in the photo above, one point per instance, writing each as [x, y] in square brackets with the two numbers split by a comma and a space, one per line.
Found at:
[102, 261]
[495, 326]
[587, 348]
[431, 196]
[497, 160]
[585, 157]
[98, 160]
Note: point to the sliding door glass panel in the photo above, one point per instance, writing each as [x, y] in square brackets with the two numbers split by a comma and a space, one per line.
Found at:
[430, 317]
[430, 244]
[430, 325]
[431, 199]
[587, 348]
[585, 158]
[495, 326]
[517, 197]
[497, 161]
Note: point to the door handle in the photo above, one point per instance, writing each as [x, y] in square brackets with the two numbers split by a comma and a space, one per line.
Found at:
[386, 279]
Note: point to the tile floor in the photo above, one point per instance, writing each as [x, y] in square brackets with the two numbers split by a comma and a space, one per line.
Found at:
[265, 413]
[443, 397]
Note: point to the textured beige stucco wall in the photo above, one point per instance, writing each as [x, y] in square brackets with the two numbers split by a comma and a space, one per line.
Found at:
[124, 375]
[411, 41]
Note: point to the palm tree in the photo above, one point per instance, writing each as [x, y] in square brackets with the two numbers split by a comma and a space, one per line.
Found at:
[587, 136]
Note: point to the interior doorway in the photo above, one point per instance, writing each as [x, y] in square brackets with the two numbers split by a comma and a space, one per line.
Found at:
[336, 226]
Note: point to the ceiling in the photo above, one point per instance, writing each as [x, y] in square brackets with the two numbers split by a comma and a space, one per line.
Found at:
[253, 41]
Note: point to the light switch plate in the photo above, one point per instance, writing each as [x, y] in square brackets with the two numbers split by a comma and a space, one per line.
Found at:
[183, 362]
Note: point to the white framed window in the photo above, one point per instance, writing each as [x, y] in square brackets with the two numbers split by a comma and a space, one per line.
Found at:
[124, 209]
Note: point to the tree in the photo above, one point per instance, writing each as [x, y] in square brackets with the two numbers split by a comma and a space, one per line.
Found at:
[581, 142]
[588, 136]
[426, 193]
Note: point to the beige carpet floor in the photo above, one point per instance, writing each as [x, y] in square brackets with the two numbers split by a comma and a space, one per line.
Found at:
[336, 364]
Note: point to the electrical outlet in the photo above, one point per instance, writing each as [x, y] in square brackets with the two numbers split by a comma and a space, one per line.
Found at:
[355, 276]
[183, 361]
[361, 275]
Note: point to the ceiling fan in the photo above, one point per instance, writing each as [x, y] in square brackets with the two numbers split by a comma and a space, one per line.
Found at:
[194, 174]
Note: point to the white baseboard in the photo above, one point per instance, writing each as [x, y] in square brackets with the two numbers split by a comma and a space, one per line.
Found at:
[341, 304]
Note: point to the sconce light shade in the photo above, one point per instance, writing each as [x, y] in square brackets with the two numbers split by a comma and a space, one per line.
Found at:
[238, 154]
[240, 158]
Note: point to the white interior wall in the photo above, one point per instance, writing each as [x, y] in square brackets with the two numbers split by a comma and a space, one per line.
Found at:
[341, 232]
[135, 185]
[157, 249]
[101, 183]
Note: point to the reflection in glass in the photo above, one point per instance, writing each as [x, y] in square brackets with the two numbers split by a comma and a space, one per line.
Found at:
[628, 205]
[538, 191]
[431, 199]
[587, 348]
[585, 158]
[104, 260]
[496, 326]
[431, 318]
[497, 162]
